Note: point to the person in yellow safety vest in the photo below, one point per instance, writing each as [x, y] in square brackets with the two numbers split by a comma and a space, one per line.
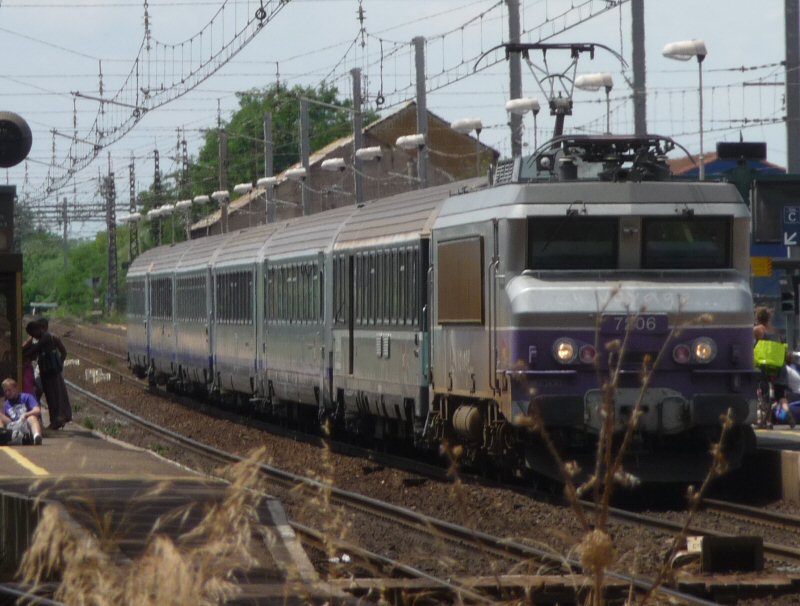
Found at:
[771, 357]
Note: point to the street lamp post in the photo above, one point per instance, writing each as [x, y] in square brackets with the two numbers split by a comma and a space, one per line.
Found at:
[594, 82]
[684, 51]
[268, 185]
[523, 105]
[222, 197]
[466, 126]
[411, 142]
[186, 207]
[202, 199]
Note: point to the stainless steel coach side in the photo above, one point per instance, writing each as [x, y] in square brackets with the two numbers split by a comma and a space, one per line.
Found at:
[380, 337]
[138, 309]
[234, 346]
[297, 309]
[161, 328]
[193, 314]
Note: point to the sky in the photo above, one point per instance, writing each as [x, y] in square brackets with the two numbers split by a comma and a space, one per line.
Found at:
[55, 48]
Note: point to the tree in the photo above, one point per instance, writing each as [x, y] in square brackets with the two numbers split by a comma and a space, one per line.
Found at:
[246, 133]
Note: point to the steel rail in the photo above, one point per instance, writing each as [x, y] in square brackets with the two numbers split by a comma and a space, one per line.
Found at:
[469, 536]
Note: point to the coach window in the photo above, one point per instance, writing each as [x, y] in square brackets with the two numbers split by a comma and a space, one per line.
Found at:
[236, 297]
[248, 300]
[380, 316]
[686, 243]
[307, 293]
[269, 295]
[280, 285]
[226, 298]
[413, 291]
[401, 286]
[357, 273]
[316, 282]
[295, 293]
[361, 295]
[572, 242]
[394, 277]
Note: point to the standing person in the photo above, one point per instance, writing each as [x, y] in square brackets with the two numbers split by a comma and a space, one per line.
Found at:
[21, 412]
[771, 356]
[50, 354]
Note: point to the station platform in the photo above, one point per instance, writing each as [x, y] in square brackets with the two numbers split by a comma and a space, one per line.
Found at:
[777, 461]
[128, 495]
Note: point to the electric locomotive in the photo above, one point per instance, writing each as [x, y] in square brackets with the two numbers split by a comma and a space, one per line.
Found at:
[456, 312]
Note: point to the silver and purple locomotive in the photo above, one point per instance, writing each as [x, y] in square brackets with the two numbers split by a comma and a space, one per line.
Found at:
[455, 313]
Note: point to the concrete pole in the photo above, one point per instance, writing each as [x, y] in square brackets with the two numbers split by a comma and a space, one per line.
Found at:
[305, 152]
[66, 242]
[515, 76]
[358, 135]
[792, 28]
[422, 111]
[223, 177]
[133, 233]
[269, 151]
[639, 70]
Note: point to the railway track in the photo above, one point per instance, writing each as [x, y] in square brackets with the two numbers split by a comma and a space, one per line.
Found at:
[418, 522]
[487, 543]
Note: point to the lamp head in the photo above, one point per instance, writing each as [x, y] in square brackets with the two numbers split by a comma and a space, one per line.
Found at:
[333, 164]
[296, 174]
[416, 141]
[242, 188]
[593, 82]
[221, 195]
[467, 125]
[523, 105]
[685, 50]
[265, 182]
[369, 153]
[202, 199]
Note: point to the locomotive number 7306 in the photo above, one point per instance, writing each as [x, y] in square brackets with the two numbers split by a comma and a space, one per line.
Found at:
[618, 324]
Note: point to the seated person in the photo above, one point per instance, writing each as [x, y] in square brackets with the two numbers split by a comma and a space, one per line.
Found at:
[21, 411]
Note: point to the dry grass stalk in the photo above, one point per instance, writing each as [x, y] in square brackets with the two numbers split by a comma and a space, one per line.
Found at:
[197, 568]
[335, 525]
[596, 548]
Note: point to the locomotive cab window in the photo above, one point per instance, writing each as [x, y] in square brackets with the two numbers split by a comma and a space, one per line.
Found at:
[572, 242]
[686, 243]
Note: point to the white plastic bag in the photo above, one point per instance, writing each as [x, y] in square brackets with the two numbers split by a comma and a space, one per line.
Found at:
[792, 379]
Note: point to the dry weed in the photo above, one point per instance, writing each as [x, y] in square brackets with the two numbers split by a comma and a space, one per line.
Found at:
[197, 567]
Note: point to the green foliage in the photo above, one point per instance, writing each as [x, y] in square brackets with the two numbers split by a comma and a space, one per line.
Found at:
[46, 278]
[246, 133]
[43, 262]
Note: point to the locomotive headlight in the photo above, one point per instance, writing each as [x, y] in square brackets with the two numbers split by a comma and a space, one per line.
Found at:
[564, 351]
[704, 350]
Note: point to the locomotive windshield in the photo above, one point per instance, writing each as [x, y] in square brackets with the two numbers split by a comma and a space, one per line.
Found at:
[592, 243]
[572, 242]
[686, 243]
